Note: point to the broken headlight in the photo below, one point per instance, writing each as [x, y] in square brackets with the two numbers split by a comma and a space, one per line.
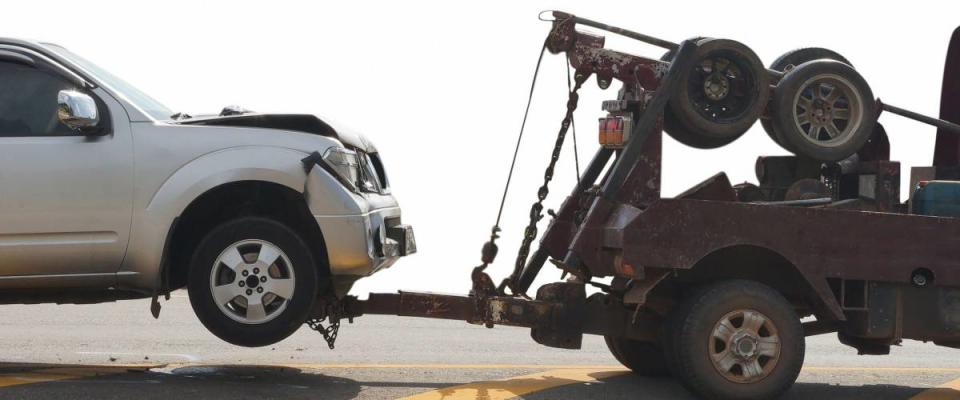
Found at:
[369, 180]
[344, 165]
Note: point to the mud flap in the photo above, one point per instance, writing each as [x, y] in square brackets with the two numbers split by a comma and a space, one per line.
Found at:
[565, 332]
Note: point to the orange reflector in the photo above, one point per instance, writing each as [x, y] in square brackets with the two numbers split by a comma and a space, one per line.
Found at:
[614, 131]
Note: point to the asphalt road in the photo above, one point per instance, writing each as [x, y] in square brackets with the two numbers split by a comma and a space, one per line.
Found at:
[118, 350]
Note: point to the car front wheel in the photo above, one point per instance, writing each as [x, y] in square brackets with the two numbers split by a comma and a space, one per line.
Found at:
[252, 281]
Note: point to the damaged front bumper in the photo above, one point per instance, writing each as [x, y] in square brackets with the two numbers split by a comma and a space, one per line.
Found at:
[360, 245]
[362, 232]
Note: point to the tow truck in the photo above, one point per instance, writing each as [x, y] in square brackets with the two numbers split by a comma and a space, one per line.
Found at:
[719, 286]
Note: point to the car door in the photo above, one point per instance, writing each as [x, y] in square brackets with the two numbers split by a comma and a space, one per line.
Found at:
[65, 197]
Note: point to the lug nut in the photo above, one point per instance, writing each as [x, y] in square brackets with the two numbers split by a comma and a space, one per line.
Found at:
[260, 289]
[249, 292]
[245, 273]
[256, 270]
[242, 283]
[263, 278]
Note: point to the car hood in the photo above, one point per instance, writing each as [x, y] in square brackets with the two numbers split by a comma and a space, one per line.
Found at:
[305, 123]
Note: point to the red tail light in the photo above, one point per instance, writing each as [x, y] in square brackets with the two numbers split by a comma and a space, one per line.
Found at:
[615, 131]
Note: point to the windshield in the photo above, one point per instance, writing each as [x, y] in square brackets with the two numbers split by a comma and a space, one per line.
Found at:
[139, 99]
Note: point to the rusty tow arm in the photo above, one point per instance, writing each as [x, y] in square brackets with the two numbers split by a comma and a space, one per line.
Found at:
[561, 312]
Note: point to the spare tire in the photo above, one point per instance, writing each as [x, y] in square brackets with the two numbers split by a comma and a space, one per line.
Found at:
[723, 94]
[681, 133]
[678, 130]
[824, 110]
[789, 60]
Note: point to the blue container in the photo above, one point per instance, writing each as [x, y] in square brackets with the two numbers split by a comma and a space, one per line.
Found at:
[937, 198]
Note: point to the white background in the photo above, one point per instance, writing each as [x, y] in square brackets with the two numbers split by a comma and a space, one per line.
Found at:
[440, 87]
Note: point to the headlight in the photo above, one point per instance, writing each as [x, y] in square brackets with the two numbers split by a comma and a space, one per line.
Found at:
[368, 175]
[355, 170]
[344, 165]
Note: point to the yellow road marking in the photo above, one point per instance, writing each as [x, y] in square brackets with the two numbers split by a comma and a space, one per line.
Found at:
[881, 369]
[949, 390]
[59, 374]
[518, 386]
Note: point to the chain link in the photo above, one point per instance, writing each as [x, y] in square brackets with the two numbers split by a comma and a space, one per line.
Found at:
[536, 210]
[329, 333]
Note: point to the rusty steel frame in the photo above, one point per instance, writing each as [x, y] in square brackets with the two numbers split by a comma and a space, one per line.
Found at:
[617, 225]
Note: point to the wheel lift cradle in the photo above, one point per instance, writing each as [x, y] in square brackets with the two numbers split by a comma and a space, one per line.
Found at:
[856, 260]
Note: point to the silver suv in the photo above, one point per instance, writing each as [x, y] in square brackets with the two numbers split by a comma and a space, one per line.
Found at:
[107, 195]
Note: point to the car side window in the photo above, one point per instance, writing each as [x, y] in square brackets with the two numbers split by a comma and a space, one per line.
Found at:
[28, 101]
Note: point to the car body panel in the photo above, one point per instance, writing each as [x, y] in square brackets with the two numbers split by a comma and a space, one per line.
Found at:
[66, 206]
[155, 170]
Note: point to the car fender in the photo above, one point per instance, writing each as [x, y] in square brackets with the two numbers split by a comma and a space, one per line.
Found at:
[151, 224]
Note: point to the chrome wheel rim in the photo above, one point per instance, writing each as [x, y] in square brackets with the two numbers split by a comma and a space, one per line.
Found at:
[828, 110]
[252, 281]
[744, 346]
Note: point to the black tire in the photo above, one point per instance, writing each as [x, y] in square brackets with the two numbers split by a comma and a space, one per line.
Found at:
[695, 344]
[736, 100]
[680, 132]
[796, 57]
[643, 358]
[845, 122]
[789, 60]
[299, 261]
[683, 134]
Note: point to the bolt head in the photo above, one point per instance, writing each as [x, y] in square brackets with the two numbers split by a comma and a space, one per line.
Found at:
[242, 283]
[245, 273]
[260, 289]
[263, 278]
[249, 292]
[919, 280]
[256, 270]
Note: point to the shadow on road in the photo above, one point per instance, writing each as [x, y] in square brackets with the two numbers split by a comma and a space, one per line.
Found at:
[56, 381]
[629, 387]
[208, 382]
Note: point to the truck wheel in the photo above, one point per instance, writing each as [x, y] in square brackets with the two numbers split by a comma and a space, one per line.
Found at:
[643, 358]
[725, 91]
[252, 281]
[823, 110]
[789, 60]
[737, 339]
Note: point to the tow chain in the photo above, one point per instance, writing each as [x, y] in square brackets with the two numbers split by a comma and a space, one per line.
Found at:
[536, 210]
[333, 312]
[483, 286]
[329, 333]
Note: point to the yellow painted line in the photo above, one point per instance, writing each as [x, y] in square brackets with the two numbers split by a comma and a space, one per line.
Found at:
[518, 386]
[60, 373]
[881, 369]
[949, 390]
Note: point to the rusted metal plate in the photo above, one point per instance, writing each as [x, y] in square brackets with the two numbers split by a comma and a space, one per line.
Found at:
[820, 242]
[716, 188]
[426, 305]
[588, 56]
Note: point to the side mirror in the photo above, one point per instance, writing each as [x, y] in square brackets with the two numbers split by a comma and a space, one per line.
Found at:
[77, 110]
